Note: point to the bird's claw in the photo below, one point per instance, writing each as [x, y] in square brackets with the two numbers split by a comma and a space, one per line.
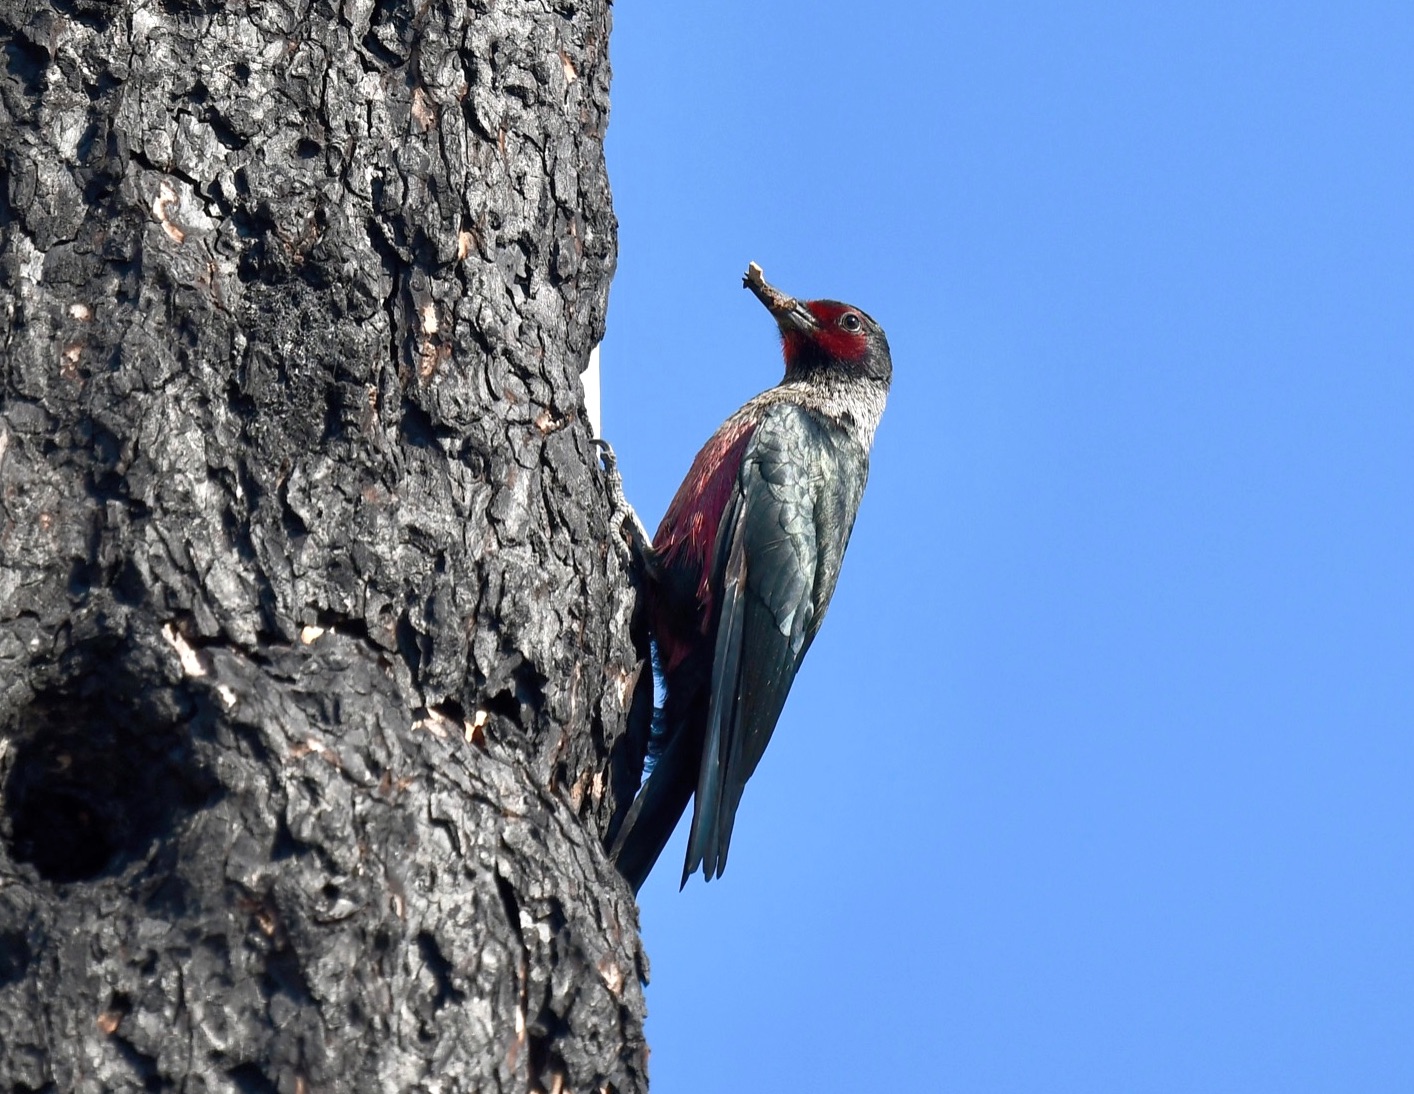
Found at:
[632, 541]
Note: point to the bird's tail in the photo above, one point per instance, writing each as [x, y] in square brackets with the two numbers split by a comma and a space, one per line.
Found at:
[655, 812]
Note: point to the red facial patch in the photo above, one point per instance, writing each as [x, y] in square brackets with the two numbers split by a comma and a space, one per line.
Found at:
[831, 339]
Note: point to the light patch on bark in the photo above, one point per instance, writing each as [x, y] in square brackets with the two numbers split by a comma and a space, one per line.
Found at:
[187, 657]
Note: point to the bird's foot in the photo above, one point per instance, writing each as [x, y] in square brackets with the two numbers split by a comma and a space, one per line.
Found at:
[631, 540]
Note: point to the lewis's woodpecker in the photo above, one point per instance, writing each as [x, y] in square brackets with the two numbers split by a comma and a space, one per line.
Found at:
[743, 567]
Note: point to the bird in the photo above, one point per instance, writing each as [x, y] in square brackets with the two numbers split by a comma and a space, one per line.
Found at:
[742, 568]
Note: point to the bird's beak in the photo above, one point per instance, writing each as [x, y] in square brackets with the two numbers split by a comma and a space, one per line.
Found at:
[790, 313]
[796, 318]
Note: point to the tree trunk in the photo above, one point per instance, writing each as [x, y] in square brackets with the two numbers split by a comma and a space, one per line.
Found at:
[314, 653]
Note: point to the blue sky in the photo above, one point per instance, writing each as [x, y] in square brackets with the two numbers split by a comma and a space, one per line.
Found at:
[1100, 776]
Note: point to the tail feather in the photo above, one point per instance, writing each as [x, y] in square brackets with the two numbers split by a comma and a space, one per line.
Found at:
[655, 812]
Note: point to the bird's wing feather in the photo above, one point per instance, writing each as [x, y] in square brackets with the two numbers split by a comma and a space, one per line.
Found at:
[768, 566]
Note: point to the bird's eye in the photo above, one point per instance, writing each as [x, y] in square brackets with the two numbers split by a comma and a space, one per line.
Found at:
[850, 322]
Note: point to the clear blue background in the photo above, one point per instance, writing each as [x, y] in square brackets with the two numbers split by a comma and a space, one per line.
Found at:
[1101, 774]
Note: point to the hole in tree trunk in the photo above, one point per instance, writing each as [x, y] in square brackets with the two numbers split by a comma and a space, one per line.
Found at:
[98, 770]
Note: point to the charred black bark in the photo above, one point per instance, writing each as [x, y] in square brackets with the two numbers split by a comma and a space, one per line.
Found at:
[313, 653]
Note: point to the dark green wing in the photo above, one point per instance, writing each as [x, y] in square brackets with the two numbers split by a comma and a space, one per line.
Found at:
[777, 557]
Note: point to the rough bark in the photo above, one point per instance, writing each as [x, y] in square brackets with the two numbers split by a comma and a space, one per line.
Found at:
[314, 655]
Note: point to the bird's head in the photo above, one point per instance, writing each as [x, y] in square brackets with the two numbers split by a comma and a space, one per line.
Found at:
[824, 337]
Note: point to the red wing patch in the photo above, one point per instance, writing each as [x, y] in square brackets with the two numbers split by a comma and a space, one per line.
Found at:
[689, 530]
